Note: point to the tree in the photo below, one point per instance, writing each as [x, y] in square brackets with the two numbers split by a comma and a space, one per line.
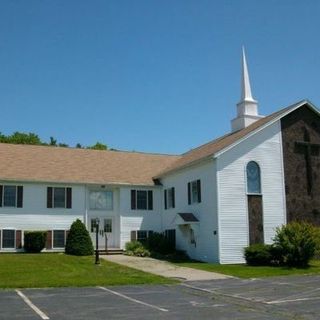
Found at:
[78, 241]
[99, 146]
[53, 142]
[78, 146]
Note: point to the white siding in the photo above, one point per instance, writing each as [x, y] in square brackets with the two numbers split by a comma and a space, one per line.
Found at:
[34, 215]
[265, 147]
[206, 248]
[138, 219]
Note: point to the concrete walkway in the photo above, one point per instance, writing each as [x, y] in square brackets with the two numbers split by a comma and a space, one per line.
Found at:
[164, 268]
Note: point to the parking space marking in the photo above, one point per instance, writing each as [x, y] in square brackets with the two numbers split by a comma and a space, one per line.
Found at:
[41, 314]
[134, 300]
[292, 300]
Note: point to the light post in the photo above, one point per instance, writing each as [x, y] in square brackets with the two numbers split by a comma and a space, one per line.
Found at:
[97, 241]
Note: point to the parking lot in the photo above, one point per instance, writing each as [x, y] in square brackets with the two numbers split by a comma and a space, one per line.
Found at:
[295, 297]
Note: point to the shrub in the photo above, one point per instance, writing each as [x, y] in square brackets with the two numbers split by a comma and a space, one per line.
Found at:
[157, 242]
[258, 255]
[299, 242]
[78, 241]
[136, 248]
[34, 241]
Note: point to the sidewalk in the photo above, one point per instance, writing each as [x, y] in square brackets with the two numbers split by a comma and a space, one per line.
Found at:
[164, 268]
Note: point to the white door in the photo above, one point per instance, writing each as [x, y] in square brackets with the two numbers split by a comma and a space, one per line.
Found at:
[105, 233]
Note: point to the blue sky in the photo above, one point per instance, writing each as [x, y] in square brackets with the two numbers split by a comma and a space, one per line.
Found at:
[150, 75]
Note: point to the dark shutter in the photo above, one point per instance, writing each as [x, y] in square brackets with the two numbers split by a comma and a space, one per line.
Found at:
[69, 198]
[165, 200]
[189, 193]
[20, 196]
[133, 235]
[199, 190]
[133, 199]
[49, 197]
[1, 190]
[0, 239]
[150, 200]
[173, 198]
[18, 239]
[49, 240]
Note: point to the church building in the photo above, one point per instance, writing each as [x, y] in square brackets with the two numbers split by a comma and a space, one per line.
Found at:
[212, 201]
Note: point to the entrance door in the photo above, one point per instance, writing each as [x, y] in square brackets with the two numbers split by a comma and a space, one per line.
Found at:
[105, 234]
[255, 219]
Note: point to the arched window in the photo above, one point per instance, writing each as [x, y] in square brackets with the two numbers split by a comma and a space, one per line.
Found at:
[253, 178]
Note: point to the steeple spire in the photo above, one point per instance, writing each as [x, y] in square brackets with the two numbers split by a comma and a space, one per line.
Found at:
[245, 81]
[247, 108]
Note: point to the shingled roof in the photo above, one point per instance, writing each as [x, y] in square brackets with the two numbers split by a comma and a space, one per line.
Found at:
[211, 148]
[71, 165]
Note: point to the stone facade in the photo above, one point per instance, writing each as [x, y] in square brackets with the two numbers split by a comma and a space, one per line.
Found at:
[301, 156]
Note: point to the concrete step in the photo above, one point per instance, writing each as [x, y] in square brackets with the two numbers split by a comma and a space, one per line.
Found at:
[111, 251]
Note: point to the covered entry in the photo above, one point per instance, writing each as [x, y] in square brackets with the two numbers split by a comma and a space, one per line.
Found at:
[106, 234]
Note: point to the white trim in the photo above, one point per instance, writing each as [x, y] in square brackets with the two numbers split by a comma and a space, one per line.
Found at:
[52, 236]
[299, 104]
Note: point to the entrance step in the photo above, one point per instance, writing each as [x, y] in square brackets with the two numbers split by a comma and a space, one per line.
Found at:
[111, 251]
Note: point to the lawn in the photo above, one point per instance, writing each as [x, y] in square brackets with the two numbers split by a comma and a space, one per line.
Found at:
[244, 271]
[60, 270]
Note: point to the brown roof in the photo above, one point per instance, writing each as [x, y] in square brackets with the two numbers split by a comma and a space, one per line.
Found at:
[221, 143]
[54, 164]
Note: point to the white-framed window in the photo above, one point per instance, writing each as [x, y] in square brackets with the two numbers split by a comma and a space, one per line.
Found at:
[59, 197]
[194, 191]
[59, 239]
[141, 200]
[101, 200]
[11, 196]
[169, 198]
[93, 224]
[253, 178]
[8, 238]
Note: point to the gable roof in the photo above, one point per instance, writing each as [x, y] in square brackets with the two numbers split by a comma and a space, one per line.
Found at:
[71, 165]
[219, 145]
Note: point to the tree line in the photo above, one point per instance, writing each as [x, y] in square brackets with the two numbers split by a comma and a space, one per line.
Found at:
[33, 139]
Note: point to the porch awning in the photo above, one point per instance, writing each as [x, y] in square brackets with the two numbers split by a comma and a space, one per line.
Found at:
[185, 218]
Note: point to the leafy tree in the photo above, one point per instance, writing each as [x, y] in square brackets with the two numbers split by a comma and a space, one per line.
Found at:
[78, 146]
[99, 146]
[53, 142]
[78, 241]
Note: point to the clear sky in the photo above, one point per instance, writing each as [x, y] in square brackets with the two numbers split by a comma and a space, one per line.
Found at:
[150, 75]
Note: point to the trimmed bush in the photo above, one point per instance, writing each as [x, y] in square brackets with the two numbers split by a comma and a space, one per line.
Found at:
[78, 241]
[157, 242]
[136, 248]
[298, 241]
[258, 255]
[34, 241]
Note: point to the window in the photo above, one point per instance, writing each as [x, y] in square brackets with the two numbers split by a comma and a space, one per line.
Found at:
[194, 192]
[58, 238]
[8, 239]
[108, 225]
[141, 200]
[101, 200]
[93, 225]
[11, 196]
[58, 197]
[142, 235]
[169, 198]
[192, 236]
[253, 178]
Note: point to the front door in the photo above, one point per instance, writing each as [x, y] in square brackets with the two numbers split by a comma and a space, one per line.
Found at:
[105, 233]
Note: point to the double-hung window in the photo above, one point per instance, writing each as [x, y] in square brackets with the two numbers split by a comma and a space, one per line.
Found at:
[59, 197]
[8, 239]
[11, 196]
[169, 198]
[194, 192]
[141, 200]
[59, 238]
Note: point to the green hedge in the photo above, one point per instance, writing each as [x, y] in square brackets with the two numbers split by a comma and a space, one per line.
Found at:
[34, 241]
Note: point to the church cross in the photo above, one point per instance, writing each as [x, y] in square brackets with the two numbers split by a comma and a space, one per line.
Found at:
[308, 149]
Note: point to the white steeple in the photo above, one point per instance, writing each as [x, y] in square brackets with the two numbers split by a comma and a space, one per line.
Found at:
[247, 108]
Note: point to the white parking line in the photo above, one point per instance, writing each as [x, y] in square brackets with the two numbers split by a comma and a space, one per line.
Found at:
[32, 306]
[292, 300]
[134, 300]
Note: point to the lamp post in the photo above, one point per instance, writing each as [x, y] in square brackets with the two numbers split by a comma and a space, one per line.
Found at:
[97, 241]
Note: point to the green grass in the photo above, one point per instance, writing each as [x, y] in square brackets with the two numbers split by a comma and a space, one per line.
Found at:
[244, 271]
[60, 270]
